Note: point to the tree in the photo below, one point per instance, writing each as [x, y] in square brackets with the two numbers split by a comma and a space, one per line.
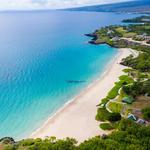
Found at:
[114, 117]
[146, 113]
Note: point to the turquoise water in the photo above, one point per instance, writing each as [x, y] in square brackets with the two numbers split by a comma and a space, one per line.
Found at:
[39, 52]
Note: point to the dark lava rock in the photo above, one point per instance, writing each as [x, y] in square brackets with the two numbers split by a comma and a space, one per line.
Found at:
[7, 140]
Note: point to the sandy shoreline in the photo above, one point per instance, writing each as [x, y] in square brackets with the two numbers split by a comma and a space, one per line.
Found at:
[77, 118]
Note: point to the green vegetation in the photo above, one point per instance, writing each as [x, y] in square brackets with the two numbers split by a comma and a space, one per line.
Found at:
[124, 32]
[130, 136]
[129, 35]
[106, 126]
[114, 91]
[138, 88]
[39, 144]
[141, 63]
[124, 80]
[141, 19]
[115, 107]
[115, 35]
[104, 101]
[146, 113]
[121, 30]
[136, 83]
[140, 29]
[114, 117]
[102, 114]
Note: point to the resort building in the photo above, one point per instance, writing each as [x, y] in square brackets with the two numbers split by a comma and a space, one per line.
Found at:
[128, 100]
[132, 117]
[141, 121]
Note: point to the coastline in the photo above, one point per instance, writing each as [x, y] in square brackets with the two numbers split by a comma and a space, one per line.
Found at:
[76, 119]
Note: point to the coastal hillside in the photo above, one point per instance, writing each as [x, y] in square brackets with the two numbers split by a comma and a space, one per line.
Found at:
[140, 6]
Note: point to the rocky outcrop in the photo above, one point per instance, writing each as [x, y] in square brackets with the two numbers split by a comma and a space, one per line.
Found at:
[7, 140]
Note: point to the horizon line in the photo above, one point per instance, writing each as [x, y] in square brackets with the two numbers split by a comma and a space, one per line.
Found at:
[65, 8]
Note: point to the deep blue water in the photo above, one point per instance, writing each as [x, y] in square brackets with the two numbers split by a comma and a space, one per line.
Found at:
[39, 51]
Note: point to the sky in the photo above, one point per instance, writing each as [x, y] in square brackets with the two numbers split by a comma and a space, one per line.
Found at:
[50, 4]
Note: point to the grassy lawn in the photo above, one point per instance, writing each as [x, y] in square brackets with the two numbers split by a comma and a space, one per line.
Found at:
[114, 91]
[125, 33]
[115, 107]
[121, 30]
[124, 80]
[102, 114]
[104, 101]
[147, 27]
[129, 35]
[141, 102]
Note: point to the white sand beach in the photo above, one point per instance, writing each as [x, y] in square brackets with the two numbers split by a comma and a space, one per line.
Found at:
[77, 118]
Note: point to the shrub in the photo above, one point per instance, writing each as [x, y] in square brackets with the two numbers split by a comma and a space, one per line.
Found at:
[137, 88]
[126, 79]
[102, 114]
[141, 63]
[104, 100]
[106, 126]
[146, 113]
[125, 124]
[128, 70]
[114, 91]
[114, 117]
[129, 136]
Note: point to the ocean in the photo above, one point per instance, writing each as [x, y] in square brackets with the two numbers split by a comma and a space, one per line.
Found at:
[45, 61]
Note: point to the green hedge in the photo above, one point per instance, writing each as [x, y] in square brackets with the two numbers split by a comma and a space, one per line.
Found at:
[114, 117]
[106, 126]
[114, 91]
[124, 80]
[102, 114]
[104, 100]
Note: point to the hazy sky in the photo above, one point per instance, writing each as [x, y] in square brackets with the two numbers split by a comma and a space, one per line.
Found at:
[40, 4]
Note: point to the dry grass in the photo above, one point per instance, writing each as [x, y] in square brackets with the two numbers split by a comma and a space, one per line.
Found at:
[129, 35]
[141, 102]
[1, 147]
